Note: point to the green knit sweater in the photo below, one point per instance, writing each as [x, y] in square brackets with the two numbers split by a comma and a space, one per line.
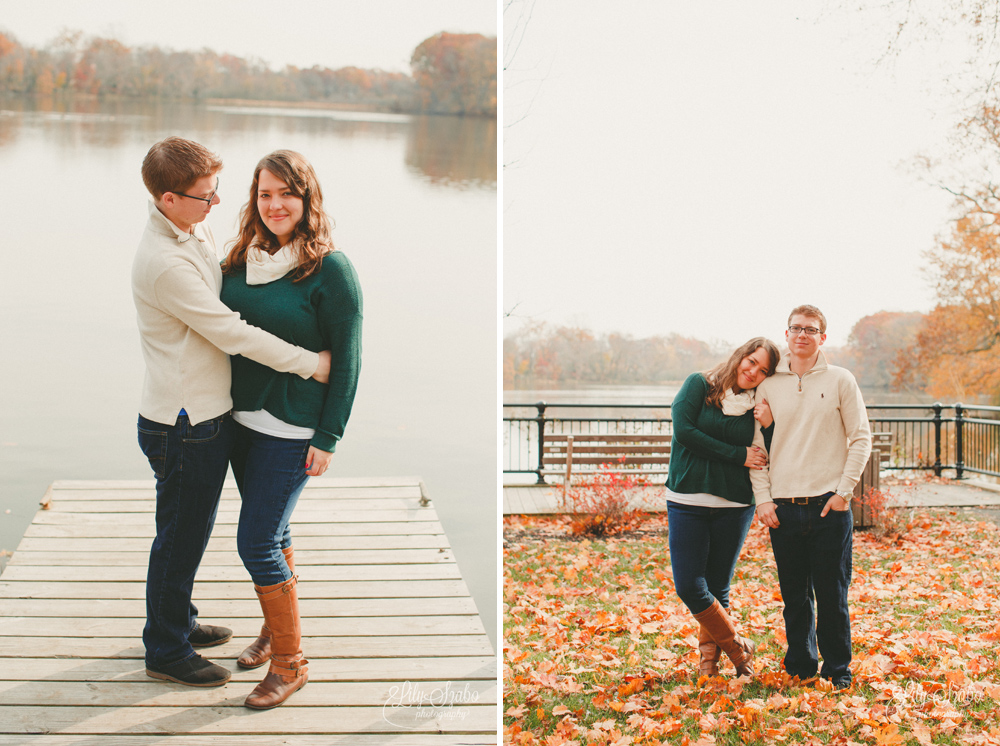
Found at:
[321, 312]
[709, 449]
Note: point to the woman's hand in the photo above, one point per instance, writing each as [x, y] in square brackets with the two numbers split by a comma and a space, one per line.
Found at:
[762, 413]
[756, 458]
[322, 373]
[317, 461]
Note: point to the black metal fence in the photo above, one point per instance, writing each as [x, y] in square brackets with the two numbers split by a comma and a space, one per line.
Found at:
[933, 437]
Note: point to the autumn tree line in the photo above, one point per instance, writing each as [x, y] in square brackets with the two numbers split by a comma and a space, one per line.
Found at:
[451, 74]
[878, 352]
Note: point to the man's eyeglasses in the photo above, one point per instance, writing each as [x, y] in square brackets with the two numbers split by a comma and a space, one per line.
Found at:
[812, 331]
[203, 199]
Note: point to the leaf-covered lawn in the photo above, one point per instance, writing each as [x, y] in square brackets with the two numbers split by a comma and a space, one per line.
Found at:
[598, 649]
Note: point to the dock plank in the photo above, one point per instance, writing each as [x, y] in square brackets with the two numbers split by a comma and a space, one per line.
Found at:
[204, 590]
[105, 529]
[398, 646]
[151, 693]
[388, 624]
[232, 516]
[330, 739]
[209, 718]
[218, 559]
[467, 668]
[224, 609]
[231, 493]
[98, 574]
[13, 626]
[304, 546]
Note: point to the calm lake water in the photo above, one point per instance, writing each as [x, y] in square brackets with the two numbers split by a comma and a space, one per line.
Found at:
[415, 205]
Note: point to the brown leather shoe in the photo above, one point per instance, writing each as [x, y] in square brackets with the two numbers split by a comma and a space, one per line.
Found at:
[194, 671]
[708, 665]
[288, 671]
[207, 635]
[258, 652]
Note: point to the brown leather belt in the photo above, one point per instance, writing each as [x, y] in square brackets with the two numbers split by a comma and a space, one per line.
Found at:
[803, 500]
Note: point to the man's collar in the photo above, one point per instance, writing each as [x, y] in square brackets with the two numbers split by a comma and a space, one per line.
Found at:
[166, 226]
[785, 364]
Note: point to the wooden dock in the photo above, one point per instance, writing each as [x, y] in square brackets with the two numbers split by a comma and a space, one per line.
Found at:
[398, 654]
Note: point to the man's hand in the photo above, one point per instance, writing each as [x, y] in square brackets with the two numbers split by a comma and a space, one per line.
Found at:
[756, 458]
[317, 461]
[322, 373]
[835, 503]
[762, 413]
[768, 515]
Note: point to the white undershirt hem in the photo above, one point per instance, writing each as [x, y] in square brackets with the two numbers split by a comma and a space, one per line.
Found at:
[703, 500]
[263, 421]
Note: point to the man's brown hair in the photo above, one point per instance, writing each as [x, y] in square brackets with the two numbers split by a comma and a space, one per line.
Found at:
[175, 164]
[809, 311]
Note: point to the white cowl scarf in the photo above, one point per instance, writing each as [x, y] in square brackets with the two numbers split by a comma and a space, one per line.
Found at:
[734, 404]
[263, 268]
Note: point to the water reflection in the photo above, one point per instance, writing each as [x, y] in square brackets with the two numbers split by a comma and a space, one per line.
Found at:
[456, 152]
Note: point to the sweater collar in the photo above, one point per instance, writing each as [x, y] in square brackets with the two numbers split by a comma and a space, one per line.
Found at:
[166, 227]
[785, 364]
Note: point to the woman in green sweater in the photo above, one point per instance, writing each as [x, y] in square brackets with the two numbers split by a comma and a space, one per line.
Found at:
[284, 275]
[710, 501]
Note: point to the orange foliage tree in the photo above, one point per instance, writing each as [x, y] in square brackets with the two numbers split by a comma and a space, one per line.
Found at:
[11, 64]
[539, 354]
[957, 350]
[456, 74]
[875, 344]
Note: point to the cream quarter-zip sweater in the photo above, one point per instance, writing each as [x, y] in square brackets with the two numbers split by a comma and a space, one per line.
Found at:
[187, 333]
[821, 438]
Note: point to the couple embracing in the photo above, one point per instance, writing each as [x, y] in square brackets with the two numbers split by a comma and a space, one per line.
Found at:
[290, 315]
[784, 437]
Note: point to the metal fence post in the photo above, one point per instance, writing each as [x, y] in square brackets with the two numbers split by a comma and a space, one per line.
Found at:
[959, 455]
[937, 438]
[540, 423]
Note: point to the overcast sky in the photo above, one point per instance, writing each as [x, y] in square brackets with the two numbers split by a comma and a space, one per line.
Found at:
[332, 33]
[701, 168]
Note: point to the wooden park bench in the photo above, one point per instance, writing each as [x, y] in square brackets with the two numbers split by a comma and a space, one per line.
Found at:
[648, 454]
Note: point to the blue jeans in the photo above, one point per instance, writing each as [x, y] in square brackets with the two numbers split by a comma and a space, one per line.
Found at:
[270, 473]
[190, 463]
[704, 546]
[814, 559]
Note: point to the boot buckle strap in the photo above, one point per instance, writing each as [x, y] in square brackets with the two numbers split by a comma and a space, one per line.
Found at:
[291, 667]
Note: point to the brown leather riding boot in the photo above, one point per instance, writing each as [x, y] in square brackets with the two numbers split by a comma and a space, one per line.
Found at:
[259, 651]
[708, 665]
[739, 650]
[288, 671]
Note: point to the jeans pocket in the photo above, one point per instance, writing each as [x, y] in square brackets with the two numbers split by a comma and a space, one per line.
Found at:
[154, 446]
[203, 431]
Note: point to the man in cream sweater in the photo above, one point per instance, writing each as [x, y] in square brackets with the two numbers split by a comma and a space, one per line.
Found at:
[185, 430]
[819, 447]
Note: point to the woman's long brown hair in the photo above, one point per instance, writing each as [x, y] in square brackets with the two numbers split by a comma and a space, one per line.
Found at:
[723, 376]
[311, 235]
